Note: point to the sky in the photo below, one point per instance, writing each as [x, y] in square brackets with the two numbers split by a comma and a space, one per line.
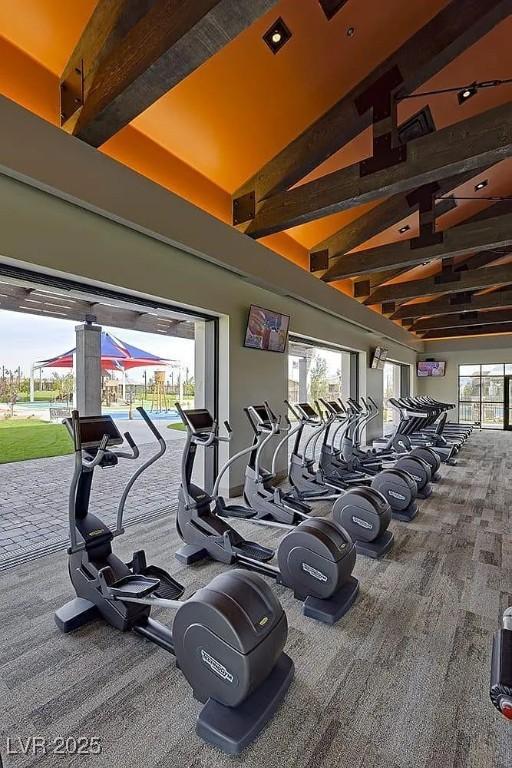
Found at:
[27, 338]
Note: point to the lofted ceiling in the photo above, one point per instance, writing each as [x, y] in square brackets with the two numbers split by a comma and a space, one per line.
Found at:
[216, 128]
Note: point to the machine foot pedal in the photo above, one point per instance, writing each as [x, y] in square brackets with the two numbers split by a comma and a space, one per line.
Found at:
[169, 588]
[232, 729]
[330, 610]
[254, 551]
[377, 548]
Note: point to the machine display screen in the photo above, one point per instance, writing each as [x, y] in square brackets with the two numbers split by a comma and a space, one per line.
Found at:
[308, 410]
[94, 428]
[200, 419]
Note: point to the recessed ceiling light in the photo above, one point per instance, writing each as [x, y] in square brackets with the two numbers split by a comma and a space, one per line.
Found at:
[277, 35]
[351, 31]
[467, 93]
[481, 185]
[404, 229]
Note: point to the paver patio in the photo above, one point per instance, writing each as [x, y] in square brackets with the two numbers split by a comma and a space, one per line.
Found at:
[34, 498]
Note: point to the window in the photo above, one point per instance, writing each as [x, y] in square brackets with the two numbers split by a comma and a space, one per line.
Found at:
[392, 375]
[482, 394]
[317, 371]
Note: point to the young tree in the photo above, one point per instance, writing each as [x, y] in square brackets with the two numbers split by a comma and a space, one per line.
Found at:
[318, 383]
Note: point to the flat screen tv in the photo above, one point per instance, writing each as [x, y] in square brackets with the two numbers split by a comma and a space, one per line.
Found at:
[431, 368]
[379, 358]
[266, 330]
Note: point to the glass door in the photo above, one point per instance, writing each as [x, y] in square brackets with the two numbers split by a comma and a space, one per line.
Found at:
[508, 402]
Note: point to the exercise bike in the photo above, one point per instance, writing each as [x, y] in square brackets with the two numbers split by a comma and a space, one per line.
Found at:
[228, 638]
[315, 559]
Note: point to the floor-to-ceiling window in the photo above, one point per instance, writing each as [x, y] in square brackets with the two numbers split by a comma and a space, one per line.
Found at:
[392, 378]
[316, 371]
[482, 393]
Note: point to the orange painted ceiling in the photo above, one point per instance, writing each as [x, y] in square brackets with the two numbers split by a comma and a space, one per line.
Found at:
[219, 126]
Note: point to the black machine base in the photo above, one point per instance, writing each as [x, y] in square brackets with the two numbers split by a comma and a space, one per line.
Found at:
[425, 492]
[188, 554]
[377, 548]
[405, 515]
[330, 610]
[232, 729]
[75, 614]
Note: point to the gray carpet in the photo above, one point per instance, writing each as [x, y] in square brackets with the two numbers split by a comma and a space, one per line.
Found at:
[400, 682]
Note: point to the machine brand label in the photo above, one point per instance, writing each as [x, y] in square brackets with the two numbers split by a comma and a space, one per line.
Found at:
[313, 572]
[362, 523]
[396, 495]
[216, 666]
[415, 477]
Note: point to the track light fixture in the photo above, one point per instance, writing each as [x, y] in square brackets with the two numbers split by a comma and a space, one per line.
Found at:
[463, 93]
[481, 185]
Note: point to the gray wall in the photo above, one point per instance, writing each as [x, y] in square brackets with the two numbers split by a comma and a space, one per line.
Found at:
[497, 349]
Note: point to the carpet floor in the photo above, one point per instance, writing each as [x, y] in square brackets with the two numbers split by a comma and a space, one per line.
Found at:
[400, 682]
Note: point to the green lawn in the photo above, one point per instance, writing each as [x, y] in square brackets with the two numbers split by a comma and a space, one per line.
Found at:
[22, 439]
[179, 426]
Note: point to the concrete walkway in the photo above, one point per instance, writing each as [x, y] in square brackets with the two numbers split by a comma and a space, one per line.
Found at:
[34, 495]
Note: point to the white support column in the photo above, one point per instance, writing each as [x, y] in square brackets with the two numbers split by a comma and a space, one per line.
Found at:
[32, 393]
[88, 370]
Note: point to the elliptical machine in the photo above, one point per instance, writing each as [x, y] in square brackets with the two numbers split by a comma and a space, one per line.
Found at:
[397, 485]
[316, 558]
[362, 511]
[270, 503]
[228, 638]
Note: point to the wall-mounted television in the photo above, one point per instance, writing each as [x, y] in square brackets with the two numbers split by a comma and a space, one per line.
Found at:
[426, 368]
[266, 330]
[379, 358]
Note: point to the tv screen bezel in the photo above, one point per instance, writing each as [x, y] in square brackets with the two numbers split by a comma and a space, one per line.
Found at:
[275, 312]
[430, 375]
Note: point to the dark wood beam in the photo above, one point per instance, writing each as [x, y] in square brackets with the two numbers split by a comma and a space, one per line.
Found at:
[108, 24]
[473, 235]
[363, 286]
[481, 140]
[142, 62]
[446, 36]
[491, 317]
[456, 303]
[387, 214]
[476, 330]
[481, 259]
[455, 283]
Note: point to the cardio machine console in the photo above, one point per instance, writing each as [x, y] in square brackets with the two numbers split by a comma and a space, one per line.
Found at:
[199, 420]
[93, 429]
[308, 410]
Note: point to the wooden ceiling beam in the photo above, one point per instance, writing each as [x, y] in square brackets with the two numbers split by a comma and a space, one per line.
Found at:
[491, 317]
[143, 49]
[387, 214]
[440, 41]
[490, 234]
[481, 140]
[456, 303]
[456, 282]
[477, 330]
